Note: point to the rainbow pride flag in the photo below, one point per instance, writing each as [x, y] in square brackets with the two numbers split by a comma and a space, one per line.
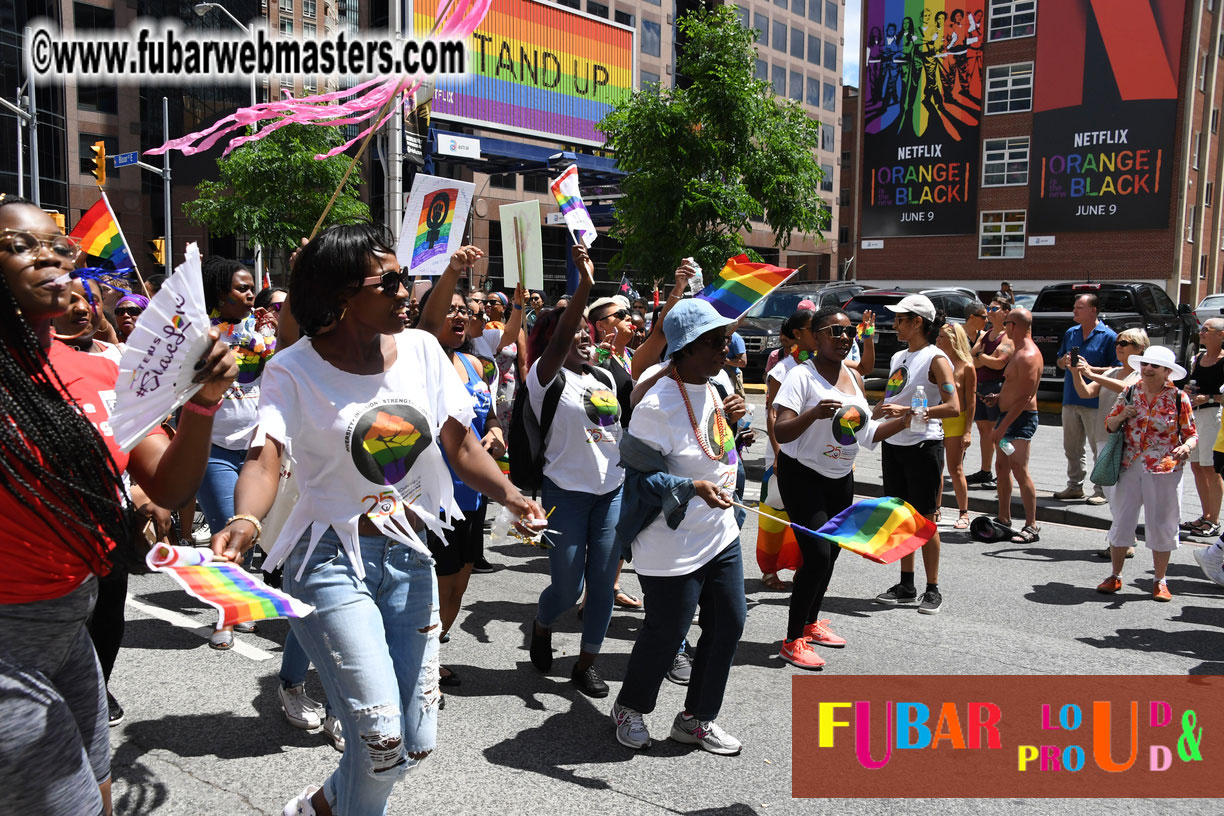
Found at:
[741, 283]
[100, 235]
[776, 546]
[237, 595]
[881, 530]
[569, 198]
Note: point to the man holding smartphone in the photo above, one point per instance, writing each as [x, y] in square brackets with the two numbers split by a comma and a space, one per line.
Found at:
[1091, 340]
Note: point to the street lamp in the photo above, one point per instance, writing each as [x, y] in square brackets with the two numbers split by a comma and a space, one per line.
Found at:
[201, 9]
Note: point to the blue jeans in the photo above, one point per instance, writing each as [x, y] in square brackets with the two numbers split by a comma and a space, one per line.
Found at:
[718, 586]
[216, 493]
[375, 646]
[583, 551]
[294, 661]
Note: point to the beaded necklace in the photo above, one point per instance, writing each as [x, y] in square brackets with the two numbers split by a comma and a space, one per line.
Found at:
[721, 426]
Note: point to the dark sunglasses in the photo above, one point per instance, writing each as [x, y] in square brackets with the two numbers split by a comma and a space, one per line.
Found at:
[620, 314]
[389, 281]
[129, 311]
[1124, 343]
[276, 307]
[838, 330]
[993, 309]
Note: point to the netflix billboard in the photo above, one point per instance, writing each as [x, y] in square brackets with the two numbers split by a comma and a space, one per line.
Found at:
[1104, 114]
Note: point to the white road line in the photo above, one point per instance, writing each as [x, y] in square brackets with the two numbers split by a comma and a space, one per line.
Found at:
[183, 622]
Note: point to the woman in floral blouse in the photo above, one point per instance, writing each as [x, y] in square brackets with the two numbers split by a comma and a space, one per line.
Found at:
[1158, 427]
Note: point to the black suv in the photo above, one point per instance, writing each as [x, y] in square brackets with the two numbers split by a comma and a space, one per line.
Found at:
[761, 326]
[952, 301]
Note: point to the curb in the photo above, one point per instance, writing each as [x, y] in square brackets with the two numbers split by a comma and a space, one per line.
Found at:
[1051, 510]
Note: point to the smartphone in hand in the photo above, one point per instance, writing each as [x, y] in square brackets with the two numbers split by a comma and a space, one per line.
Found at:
[1074, 356]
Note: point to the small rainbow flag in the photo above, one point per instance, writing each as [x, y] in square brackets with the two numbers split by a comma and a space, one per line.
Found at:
[235, 593]
[100, 235]
[881, 530]
[741, 283]
[569, 198]
[776, 546]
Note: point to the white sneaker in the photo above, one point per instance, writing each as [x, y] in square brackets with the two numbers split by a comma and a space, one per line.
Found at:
[334, 731]
[706, 734]
[1212, 562]
[300, 805]
[630, 728]
[300, 710]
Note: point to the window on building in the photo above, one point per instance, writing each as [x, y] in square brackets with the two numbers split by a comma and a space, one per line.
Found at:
[800, 6]
[310, 31]
[308, 8]
[831, 14]
[829, 100]
[1209, 193]
[598, 9]
[574, 4]
[286, 26]
[286, 83]
[813, 46]
[1010, 19]
[649, 79]
[796, 86]
[87, 16]
[761, 23]
[504, 181]
[813, 92]
[762, 70]
[653, 2]
[796, 49]
[779, 36]
[1202, 83]
[651, 38]
[1191, 223]
[781, 3]
[535, 184]
[843, 235]
[845, 157]
[286, 6]
[626, 19]
[1009, 88]
[830, 55]
[779, 80]
[1202, 267]
[826, 183]
[85, 143]
[1215, 120]
[1194, 150]
[814, 9]
[1005, 162]
[310, 83]
[828, 137]
[1001, 234]
[98, 98]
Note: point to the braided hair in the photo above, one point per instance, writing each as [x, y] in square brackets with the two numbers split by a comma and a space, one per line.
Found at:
[51, 456]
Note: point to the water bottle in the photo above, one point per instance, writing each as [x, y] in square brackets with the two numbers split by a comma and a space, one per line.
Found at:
[1006, 446]
[696, 283]
[918, 422]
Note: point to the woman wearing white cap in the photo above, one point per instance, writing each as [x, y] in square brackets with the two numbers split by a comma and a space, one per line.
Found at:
[1158, 421]
[912, 461]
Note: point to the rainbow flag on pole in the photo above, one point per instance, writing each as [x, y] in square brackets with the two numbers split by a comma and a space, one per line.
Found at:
[569, 198]
[237, 595]
[881, 530]
[100, 235]
[741, 283]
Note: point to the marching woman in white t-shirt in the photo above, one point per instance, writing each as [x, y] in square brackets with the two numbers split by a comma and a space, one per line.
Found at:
[582, 483]
[822, 419]
[912, 461]
[364, 408]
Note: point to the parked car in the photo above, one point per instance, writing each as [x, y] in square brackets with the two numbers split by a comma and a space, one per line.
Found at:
[1211, 306]
[762, 325]
[952, 301]
[1025, 299]
[1120, 306]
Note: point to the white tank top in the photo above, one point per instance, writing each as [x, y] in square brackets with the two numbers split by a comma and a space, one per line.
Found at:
[908, 370]
[828, 446]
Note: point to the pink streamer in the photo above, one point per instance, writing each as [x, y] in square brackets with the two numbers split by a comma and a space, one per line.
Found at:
[362, 102]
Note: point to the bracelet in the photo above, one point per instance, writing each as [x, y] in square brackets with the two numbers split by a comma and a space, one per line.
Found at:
[518, 307]
[196, 408]
[252, 520]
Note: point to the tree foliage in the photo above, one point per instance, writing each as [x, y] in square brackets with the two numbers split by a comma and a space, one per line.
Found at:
[703, 161]
[274, 189]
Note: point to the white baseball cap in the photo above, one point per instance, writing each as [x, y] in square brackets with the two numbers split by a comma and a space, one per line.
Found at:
[920, 305]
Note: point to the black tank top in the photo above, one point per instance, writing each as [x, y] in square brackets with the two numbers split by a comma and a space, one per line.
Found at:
[1208, 378]
[986, 374]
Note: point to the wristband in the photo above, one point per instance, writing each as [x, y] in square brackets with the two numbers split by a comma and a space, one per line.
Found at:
[252, 520]
[518, 307]
[196, 408]
[869, 331]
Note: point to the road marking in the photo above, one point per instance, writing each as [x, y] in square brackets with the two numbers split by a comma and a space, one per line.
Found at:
[183, 622]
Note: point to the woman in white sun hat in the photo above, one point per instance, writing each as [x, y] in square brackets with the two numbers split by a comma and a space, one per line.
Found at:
[1158, 423]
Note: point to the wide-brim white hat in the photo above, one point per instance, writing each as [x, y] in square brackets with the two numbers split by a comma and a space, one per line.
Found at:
[1161, 356]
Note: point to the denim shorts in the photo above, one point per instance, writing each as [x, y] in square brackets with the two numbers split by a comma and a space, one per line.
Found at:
[1023, 427]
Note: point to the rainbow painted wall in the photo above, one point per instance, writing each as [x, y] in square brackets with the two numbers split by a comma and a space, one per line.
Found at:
[539, 69]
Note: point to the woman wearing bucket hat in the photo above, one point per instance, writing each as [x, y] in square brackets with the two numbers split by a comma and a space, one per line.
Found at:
[1159, 436]
[680, 463]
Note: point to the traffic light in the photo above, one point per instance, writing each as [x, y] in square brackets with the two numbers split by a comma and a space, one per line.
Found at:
[99, 160]
[58, 218]
[158, 247]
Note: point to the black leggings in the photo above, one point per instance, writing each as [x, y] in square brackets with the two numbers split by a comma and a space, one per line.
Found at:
[811, 500]
[106, 623]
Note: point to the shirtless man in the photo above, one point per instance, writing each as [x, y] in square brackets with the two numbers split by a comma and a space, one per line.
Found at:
[1018, 422]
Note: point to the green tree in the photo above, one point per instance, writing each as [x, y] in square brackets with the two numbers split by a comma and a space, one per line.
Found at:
[273, 189]
[704, 160]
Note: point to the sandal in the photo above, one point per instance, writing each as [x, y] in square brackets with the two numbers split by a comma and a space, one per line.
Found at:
[962, 522]
[1191, 526]
[1028, 535]
[772, 581]
[624, 600]
[222, 640]
[448, 679]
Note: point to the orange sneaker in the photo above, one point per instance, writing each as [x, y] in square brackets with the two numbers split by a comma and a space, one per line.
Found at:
[799, 652]
[820, 633]
[1110, 585]
[1161, 592]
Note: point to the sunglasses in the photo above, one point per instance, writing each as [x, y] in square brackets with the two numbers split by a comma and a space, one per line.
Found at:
[460, 311]
[1123, 343]
[719, 341]
[838, 331]
[1146, 364]
[619, 314]
[993, 309]
[276, 307]
[128, 311]
[389, 281]
[27, 245]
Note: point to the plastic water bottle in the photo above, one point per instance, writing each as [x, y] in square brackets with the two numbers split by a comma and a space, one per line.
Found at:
[1006, 446]
[696, 283]
[918, 422]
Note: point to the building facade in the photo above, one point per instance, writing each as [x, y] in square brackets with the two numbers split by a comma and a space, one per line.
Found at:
[1039, 141]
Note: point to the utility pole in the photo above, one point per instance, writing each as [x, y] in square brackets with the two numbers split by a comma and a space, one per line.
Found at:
[395, 144]
[164, 172]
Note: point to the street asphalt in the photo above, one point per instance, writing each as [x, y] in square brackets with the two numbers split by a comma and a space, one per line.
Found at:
[204, 733]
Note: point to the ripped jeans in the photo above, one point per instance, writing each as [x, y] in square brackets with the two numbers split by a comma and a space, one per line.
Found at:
[374, 644]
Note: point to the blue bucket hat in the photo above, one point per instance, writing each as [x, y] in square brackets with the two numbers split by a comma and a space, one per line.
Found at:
[688, 320]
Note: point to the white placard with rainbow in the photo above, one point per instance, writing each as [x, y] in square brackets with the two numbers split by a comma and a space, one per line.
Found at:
[435, 218]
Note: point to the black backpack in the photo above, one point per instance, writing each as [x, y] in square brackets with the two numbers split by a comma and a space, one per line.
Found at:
[525, 442]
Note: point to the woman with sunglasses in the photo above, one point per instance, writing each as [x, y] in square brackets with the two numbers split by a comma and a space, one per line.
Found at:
[990, 352]
[582, 481]
[822, 418]
[268, 304]
[128, 310]
[62, 526]
[366, 409]
[1206, 378]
